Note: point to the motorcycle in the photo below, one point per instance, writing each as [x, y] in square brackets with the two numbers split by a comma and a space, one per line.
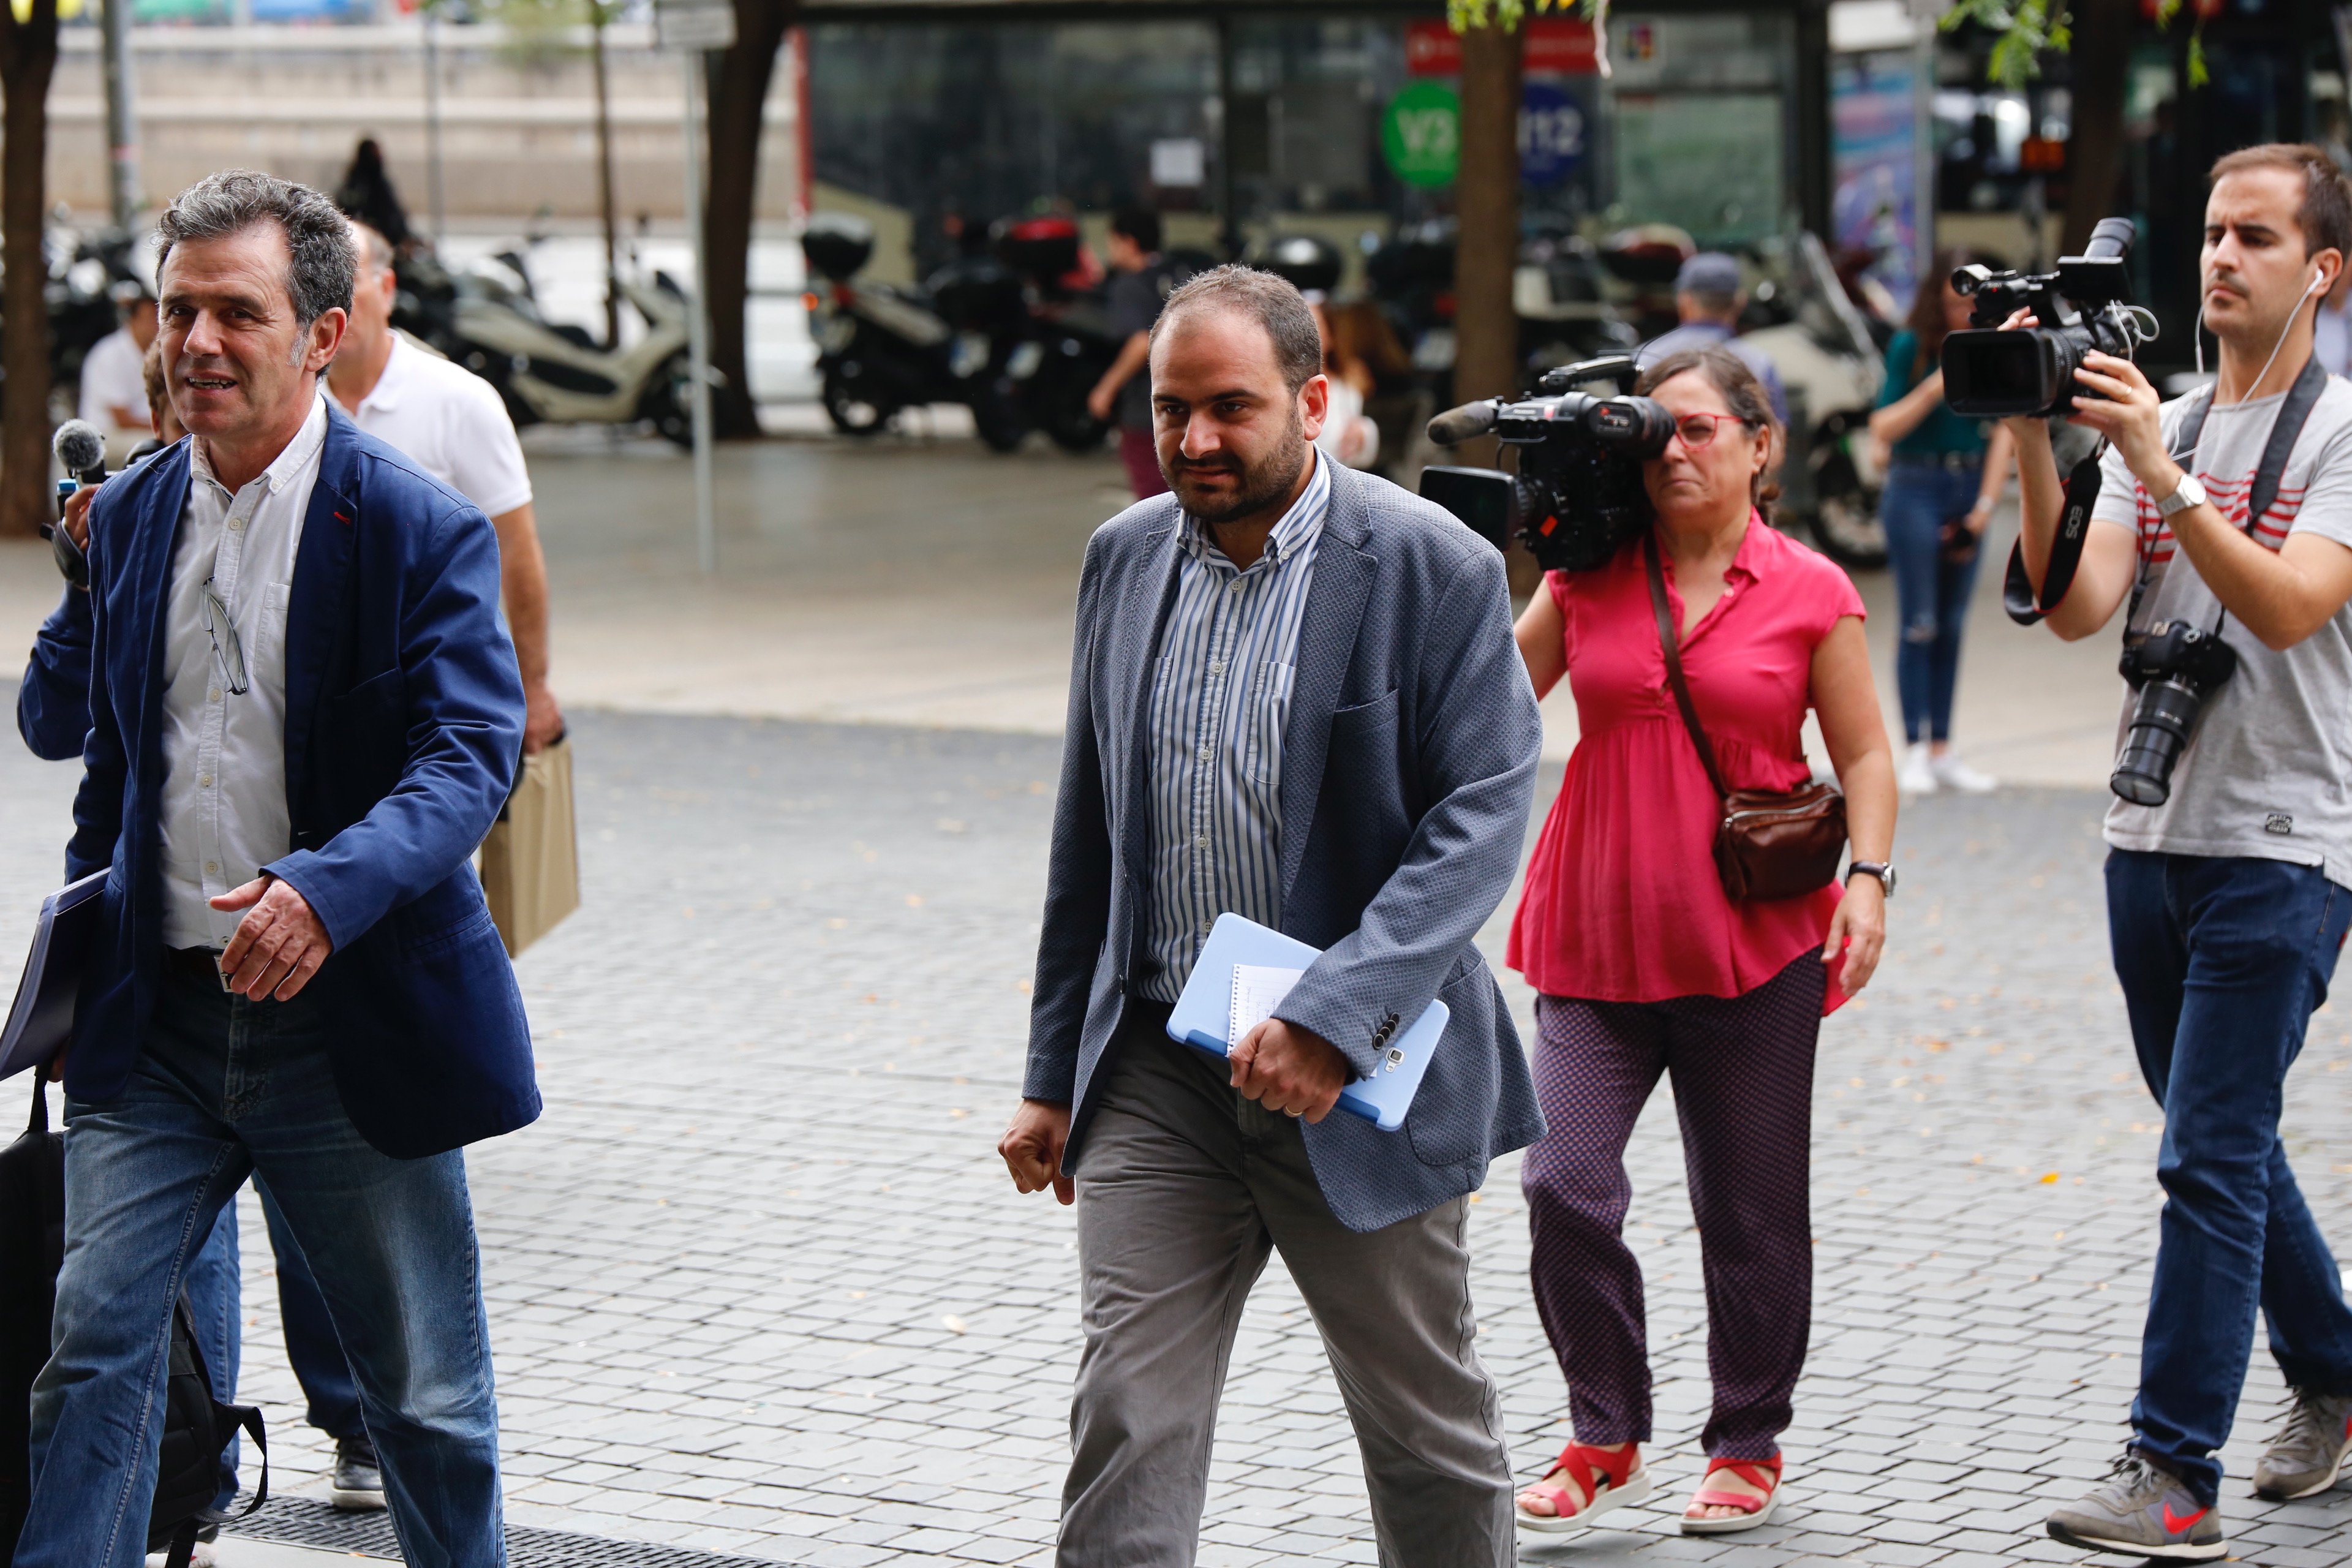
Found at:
[488, 319]
[1071, 342]
[882, 349]
[1831, 367]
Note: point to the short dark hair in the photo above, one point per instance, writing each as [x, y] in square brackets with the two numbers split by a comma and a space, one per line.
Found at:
[1742, 394]
[321, 256]
[2325, 215]
[1268, 300]
[1140, 224]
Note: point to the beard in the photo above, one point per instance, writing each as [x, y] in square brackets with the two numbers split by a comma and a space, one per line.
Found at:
[1258, 486]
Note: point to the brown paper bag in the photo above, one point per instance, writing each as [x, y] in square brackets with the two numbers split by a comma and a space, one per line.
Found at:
[531, 861]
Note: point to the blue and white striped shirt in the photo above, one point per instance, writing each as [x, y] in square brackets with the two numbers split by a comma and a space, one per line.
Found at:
[1220, 696]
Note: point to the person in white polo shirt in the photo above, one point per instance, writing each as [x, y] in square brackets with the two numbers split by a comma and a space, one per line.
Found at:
[454, 425]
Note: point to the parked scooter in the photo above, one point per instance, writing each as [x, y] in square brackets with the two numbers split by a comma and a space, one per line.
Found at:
[1830, 364]
[882, 349]
[1071, 339]
[488, 319]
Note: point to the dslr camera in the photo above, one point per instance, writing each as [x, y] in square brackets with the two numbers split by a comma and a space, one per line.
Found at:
[1578, 494]
[2084, 306]
[2174, 668]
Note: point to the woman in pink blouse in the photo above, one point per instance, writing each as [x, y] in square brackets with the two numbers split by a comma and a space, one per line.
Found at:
[1646, 966]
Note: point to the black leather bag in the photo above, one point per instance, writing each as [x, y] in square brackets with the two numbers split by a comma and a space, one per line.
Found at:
[196, 1427]
[1769, 844]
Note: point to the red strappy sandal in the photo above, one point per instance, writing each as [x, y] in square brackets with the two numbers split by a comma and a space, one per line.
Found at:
[1608, 1479]
[1753, 1511]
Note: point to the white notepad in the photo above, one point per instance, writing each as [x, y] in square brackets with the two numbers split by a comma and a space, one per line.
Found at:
[1258, 990]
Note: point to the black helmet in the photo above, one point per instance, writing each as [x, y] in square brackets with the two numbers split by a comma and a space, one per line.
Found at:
[1307, 262]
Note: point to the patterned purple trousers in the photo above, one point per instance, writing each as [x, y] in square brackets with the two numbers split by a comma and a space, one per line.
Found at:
[1743, 1080]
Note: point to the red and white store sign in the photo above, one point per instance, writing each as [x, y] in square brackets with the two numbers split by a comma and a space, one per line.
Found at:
[1557, 45]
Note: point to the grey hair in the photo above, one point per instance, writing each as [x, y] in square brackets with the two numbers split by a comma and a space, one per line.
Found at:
[1270, 301]
[322, 258]
[369, 243]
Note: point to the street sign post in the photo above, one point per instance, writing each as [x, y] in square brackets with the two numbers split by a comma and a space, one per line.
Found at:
[691, 27]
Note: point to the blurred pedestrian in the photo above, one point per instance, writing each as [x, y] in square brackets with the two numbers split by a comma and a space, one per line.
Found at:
[366, 195]
[324, 747]
[1709, 296]
[1943, 480]
[1139, 286]
[1644, 966]
[1292, 698]
[113, 381]
[456, 428]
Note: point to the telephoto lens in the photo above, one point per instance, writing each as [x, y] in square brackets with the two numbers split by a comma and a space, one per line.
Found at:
[2160, 725]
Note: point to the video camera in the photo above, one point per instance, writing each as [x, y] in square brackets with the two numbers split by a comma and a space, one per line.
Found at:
[1578, 494]
[2084, 306]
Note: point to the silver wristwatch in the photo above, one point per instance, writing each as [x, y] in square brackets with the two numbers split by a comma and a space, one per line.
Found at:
[1878, 868]
[2188, 494]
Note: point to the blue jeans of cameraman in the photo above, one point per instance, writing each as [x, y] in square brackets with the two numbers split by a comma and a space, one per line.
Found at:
[2222, 961]
[1931, 593]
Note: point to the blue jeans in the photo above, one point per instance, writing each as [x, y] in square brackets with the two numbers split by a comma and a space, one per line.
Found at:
[223, 1088]
[216, 1306]
[1931, 593]
[311, 1348]
[2222, 963]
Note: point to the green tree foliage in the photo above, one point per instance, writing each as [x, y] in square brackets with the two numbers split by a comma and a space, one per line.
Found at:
[2023, 31]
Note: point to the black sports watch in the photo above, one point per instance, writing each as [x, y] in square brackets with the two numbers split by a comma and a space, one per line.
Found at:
[1878, 868]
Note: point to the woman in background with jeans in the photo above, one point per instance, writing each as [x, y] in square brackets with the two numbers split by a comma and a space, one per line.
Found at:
[1944, 476]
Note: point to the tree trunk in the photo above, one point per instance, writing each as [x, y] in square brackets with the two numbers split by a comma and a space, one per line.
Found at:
[2100, 58]
[597, 16]
[28, 57]
[738, 101]
[1486, 254]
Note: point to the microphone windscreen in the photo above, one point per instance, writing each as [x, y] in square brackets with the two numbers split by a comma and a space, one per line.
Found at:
[1466, 423]
[79, 446]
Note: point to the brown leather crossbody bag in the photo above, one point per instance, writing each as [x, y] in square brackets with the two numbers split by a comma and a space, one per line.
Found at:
[1769, 844]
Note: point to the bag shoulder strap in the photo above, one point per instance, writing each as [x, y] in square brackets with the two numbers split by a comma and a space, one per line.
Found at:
[1671, 645]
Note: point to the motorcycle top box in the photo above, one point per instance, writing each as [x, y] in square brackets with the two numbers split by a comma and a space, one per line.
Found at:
[838, 244]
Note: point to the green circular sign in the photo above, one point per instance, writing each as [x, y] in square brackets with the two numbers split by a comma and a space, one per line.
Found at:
[1421, 135]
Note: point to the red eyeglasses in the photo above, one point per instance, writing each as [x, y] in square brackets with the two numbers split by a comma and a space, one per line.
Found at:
[1697, 430]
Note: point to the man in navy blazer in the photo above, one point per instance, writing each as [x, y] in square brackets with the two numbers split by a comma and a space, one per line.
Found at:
[1294, 697]
[304, 716]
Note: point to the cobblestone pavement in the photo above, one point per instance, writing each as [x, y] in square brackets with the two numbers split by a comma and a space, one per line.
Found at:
[758, 1283]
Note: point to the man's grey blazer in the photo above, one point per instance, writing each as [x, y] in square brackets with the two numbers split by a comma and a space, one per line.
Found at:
[1408, 767]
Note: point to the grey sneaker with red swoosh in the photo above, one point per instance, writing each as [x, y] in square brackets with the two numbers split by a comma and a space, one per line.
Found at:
[2140, 1511]
[2308, 1453]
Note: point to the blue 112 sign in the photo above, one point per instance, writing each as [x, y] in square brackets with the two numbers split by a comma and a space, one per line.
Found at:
[1552, 134]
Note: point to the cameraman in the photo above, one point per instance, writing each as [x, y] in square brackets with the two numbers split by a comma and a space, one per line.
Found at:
[2226, 904]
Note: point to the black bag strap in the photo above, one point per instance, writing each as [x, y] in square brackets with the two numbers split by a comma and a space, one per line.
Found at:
[1670, 644]
[39, 1121]
[2082, 490]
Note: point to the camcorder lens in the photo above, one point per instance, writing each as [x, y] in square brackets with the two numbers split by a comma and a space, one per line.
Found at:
[1990, 375]
[2161, 722]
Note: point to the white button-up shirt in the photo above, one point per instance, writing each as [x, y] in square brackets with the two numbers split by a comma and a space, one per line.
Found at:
[224, 814]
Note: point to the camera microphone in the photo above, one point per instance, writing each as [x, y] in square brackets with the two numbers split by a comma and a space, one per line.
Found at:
[80, 450]
[1466, 423]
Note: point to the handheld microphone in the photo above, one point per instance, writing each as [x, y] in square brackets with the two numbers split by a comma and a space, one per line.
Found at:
[81, 451]
[1466, 423]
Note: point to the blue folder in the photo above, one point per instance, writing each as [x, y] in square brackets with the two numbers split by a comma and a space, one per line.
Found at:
[1203, 1015]
[40, 1020]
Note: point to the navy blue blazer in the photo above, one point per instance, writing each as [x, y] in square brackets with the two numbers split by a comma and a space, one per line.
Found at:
[1408, 768]
[403, 730]
[53, 700]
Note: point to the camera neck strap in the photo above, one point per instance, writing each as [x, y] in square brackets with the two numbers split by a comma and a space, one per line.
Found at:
[2082, 494]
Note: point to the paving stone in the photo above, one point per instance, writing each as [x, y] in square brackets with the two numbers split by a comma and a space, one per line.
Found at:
[778, 1041]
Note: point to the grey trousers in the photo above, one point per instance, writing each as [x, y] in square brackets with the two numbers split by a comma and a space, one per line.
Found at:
[1183, 1189]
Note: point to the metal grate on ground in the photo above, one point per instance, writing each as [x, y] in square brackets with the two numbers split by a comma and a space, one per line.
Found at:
[300, 1521]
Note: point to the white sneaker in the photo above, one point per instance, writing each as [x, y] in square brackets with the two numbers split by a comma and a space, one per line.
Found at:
[1955, 774]
[1917, 774]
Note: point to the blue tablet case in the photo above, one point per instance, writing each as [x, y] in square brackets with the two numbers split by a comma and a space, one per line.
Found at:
[40, 1021]
[1204, 1013]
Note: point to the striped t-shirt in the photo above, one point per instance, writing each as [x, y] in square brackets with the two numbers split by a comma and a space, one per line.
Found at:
[1221, 690]
[2268, 773]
